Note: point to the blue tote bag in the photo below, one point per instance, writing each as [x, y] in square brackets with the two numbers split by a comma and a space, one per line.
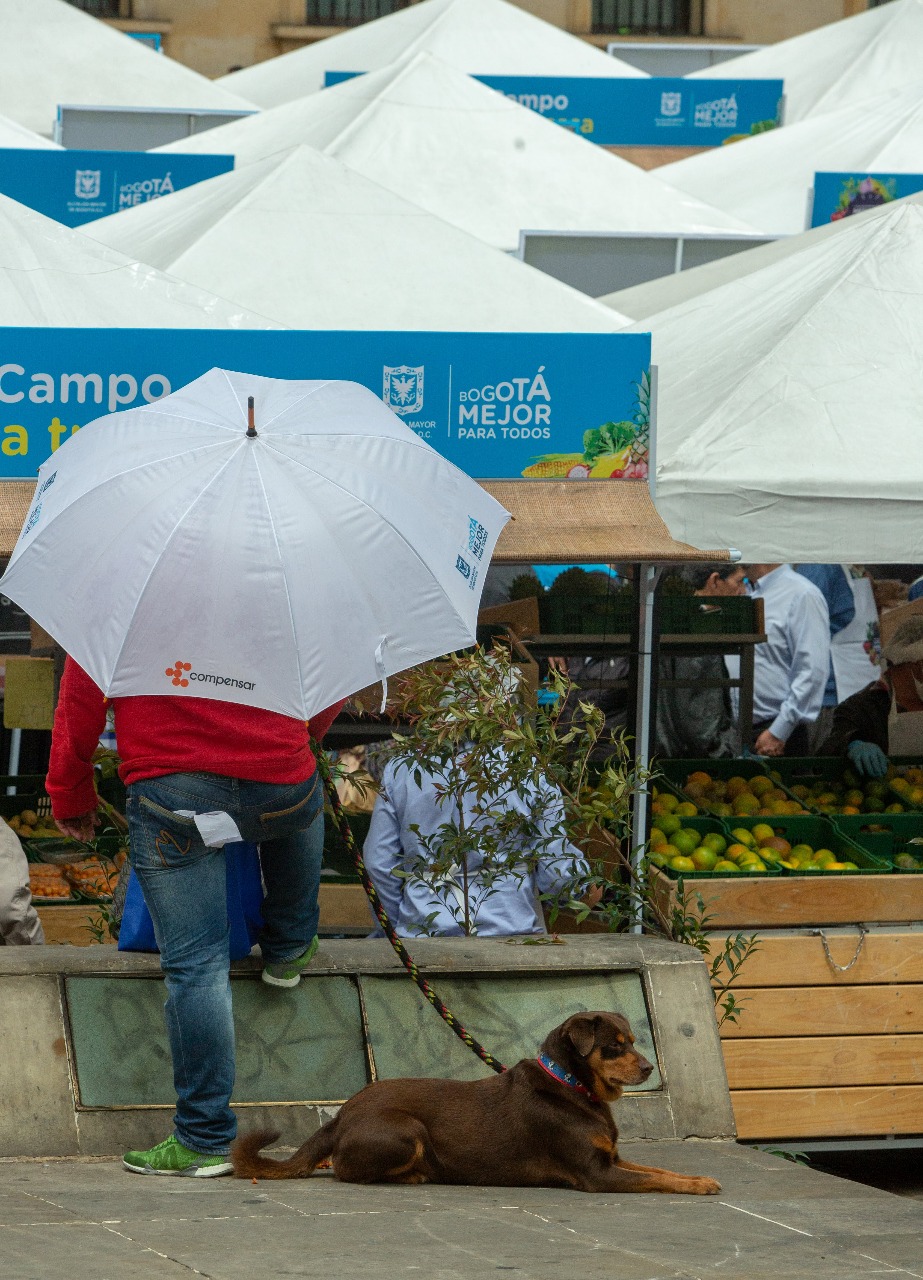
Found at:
[245, 901]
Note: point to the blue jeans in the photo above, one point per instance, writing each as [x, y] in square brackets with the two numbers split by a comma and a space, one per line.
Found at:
[183, 883]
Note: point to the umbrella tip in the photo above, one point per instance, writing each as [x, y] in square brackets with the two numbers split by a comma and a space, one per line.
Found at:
[251, 425]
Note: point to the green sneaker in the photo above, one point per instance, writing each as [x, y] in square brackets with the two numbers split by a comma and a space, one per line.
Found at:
[287, 973]
[172, 1160]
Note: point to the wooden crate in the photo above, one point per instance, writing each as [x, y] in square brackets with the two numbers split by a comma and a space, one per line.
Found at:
[821, 1052]
[342, 906]
[754, 902]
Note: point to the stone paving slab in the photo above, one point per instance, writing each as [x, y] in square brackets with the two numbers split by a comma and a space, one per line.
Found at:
[89, 1220]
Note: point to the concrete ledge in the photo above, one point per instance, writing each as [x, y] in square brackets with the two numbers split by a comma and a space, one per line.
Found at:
[44, 1063]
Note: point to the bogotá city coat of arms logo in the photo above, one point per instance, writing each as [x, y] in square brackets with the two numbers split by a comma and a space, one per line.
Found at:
[403, 388]
[86, 184]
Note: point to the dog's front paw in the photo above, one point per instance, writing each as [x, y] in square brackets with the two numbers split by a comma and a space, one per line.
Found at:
[704, 1186]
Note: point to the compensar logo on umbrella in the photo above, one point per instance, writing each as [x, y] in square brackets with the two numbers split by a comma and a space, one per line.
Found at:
[182, 675]
[177, 673]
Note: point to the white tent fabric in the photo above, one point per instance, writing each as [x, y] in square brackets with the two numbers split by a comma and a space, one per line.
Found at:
[767, 179]
[790, 406]
[839, 64]
[52, 275]
[304, 239]
[469, 155]
[482, 37]
[53, 53]
[643, 300]
[13, 134]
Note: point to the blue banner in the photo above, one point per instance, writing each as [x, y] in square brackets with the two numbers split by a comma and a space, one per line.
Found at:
[657, 111]
[75, 187]
[840, 195]
[498, 405]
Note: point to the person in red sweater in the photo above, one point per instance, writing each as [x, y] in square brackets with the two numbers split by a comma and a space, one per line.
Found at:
[183, 758]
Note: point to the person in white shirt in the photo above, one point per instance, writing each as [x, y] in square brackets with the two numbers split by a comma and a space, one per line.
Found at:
[19, 922]
[791, 668]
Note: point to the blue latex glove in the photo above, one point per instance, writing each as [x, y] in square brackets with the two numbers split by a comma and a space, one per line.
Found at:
[868, 759]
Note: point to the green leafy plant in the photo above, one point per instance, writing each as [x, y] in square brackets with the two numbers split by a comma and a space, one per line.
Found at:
[494, 750]
[486, 738]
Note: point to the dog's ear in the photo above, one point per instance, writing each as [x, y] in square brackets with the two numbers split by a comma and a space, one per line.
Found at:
[582, 1034]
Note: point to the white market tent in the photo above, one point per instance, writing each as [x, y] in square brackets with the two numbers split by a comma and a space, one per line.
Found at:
[53, 53]
[790, 406]
[469, 155]
[643, 300]
[839, 64]
[53, 275]
[304, 239]
[16, 135]
[767, 181]
[481, 37]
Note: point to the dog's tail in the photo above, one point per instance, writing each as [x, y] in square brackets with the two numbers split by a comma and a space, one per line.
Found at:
[248, 1163]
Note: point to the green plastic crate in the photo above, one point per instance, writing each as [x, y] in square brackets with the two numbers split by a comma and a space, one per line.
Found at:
[337, 861]
[707, 615]
[894, 832]
[590, 614]
[819, 833]
[703, 825]
[673, 774]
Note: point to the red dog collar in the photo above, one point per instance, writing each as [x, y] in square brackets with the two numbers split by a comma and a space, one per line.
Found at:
[552, 1069]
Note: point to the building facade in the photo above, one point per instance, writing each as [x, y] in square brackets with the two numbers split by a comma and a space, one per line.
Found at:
[214, 36]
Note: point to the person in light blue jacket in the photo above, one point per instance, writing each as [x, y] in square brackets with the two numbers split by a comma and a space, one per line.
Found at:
[497, 905]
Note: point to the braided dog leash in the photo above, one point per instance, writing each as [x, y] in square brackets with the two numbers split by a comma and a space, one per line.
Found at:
[346, 835]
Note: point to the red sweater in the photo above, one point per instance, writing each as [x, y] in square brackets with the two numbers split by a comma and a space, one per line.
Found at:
[158, 735]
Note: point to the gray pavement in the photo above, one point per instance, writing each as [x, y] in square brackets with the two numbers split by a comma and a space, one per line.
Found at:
[86, 1219]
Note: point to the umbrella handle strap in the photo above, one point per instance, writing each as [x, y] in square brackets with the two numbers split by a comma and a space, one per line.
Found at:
[345, 831]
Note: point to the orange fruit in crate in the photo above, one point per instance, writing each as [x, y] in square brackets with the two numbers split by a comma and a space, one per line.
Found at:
[704, 859]
[682, 864]
[735, 787]
[699, 778]
[745, 804]
[763, 831]
[736, 852]
[777, 845]
[761, 785]
[686, 810]
[744, 837]
[686, 841]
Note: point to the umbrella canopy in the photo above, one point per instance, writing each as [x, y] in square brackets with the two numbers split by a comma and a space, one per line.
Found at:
[643, 300]
[304, 239]
[839, 64]
[53, 53]
[469, 155]
[53, 275]
[171, 552]
[790, 405]
[768, 180]
[480, 37]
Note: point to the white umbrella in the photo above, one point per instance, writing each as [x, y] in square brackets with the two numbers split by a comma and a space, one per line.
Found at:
[171, 551]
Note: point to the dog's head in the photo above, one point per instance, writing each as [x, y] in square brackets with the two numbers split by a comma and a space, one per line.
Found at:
[598, 1048]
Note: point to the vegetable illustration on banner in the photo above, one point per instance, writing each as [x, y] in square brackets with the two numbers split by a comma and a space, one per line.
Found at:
[612, 451]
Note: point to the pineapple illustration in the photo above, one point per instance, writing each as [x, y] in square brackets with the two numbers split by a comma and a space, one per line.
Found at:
[642, 420]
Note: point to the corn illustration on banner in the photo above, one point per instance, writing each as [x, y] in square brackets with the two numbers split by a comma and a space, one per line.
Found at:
[498, 405]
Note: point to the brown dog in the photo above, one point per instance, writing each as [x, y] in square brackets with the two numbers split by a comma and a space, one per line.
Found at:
[544, 1123]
